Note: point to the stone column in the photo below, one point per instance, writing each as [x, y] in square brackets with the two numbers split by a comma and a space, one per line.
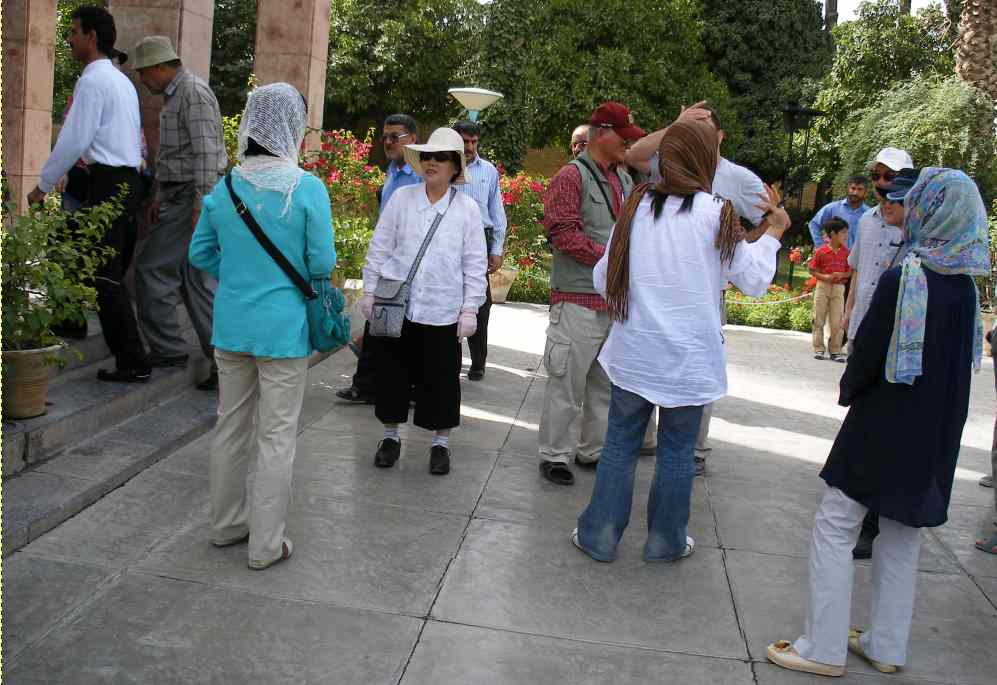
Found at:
[292, 45]
[188, 23]
[28, 68]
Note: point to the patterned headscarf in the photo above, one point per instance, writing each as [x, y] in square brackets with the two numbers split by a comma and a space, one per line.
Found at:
[946, 226]
[687, 160]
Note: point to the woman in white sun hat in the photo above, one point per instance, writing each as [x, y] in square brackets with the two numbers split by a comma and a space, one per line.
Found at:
[446, 290]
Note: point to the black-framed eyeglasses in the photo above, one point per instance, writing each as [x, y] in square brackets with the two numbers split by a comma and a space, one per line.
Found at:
[442, 156]
[394, 137]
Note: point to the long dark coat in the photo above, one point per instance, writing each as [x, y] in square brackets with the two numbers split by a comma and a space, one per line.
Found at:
[897, 449]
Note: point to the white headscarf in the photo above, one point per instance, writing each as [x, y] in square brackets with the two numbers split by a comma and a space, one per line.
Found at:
[276, 118]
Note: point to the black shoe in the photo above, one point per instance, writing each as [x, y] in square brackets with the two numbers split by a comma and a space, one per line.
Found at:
[439, 460]
[819, 356]
[352, 394]
[388, 451]
[475, 374]
[863, 550]
[557, 473]
[590, 465]
[158, 362]
[124, 375]
[211, 382]
[840, 358]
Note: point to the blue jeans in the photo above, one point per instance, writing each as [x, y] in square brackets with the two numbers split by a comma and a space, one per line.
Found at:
[601, 525]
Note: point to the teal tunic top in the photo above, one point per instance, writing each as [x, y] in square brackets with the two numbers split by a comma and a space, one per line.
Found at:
[258, 310]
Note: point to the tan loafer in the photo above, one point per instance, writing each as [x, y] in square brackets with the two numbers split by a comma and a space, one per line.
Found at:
[782, 653]
[855, 647]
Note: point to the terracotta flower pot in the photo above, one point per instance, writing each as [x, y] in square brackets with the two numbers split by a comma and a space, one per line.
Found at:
[501, 281]
[25, 381]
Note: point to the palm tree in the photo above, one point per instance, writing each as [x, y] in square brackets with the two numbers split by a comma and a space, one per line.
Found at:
[976, 48]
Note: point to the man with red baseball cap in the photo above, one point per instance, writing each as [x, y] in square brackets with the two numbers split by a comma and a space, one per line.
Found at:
[580, 208]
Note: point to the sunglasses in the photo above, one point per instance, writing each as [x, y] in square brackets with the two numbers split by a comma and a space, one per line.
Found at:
[394, 137]
[445, 156]
[887, 175]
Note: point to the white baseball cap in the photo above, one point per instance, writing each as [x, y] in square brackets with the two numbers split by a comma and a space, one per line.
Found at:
[894, 158]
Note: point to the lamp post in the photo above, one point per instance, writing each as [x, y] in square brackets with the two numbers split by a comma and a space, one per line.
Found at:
[796, 118]
[475, 99]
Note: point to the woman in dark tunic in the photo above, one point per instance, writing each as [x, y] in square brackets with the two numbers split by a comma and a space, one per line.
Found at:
[907, 388]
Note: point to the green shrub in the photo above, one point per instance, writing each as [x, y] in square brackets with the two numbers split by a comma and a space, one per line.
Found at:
[793, 316]
[531, 285]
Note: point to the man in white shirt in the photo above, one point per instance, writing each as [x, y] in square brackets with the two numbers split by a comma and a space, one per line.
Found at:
[483, 187]
[103, 128]
[733, 182]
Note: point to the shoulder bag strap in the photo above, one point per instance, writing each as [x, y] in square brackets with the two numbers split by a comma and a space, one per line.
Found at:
[609, 205]
[429, 237]
[266, 244]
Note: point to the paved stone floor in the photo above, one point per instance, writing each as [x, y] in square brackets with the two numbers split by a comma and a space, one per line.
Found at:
[403, 577]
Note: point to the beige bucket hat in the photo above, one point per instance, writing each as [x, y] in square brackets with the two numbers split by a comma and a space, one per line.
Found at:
[441, 140]
[153, 50]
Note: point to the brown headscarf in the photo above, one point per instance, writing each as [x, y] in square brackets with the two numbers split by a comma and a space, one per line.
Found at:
[687, 160]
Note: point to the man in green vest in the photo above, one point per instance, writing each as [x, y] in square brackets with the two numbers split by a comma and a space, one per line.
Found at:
[580, 208]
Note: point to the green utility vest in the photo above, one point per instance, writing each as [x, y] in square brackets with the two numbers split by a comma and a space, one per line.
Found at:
[566, 274]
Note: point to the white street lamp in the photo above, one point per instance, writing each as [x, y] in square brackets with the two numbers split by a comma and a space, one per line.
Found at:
[474, 99]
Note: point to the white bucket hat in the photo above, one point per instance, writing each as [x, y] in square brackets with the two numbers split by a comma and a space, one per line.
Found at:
[442, 140]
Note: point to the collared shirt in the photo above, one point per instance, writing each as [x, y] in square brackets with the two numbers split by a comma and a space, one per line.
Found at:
[827, 260]
[191, 140]
[397, 177]
[483, 187]
[103, 125]
[732, 182]
[451, 276]
[874, 252]
[670, 350]
[842, 210]
[563, 221]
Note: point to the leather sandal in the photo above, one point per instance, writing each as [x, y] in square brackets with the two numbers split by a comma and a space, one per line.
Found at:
[557, 473]
[286, 549]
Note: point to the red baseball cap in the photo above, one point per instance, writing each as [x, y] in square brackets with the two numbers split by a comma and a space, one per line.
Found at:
[618, 117]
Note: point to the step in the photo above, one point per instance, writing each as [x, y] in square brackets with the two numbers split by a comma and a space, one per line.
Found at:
[46, 494]
[36, 501]
[79, 405]
[84, 352]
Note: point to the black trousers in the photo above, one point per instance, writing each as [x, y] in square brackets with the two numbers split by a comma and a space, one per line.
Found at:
[117, 318]
[423, 363]
[365, 379]
[478, 343]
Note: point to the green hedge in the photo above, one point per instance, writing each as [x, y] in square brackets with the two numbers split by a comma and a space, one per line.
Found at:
[790, 316]
[531, 285]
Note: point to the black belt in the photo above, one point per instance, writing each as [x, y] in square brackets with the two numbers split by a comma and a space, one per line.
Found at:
[96, 166]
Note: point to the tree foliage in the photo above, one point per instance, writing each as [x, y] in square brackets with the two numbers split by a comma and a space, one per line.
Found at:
[763, 72]
[67, 70]
[398, 56]
[875, 53]
[558, 59]
[930, 117]
[233, 44]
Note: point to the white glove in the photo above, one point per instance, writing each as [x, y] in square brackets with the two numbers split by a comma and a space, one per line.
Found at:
[467, 324]
[367, 305]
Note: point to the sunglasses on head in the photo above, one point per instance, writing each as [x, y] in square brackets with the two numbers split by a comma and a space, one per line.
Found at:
[887, 175]
[444, 156]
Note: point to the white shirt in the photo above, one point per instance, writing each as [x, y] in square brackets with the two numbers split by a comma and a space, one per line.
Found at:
[451, 276]
[670, 350]
[103, 125]
[875, 247]
[732, 182]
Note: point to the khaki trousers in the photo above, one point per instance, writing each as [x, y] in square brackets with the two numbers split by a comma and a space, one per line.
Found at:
[829, 307]
[259, 402]
[576, 384]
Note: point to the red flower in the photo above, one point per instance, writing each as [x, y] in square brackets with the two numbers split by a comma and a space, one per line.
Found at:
[794, 255]
[525, 262]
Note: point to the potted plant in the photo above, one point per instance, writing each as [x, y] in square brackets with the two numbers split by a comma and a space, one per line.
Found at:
[49, 262]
